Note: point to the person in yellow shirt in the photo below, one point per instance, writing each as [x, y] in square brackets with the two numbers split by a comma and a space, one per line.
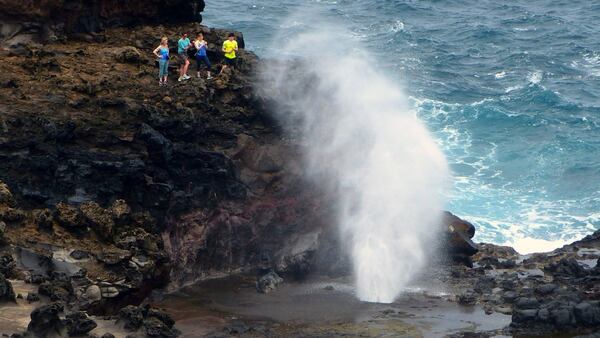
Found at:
[230, 47]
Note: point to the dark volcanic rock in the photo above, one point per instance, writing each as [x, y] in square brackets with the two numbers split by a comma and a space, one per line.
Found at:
[160, 315]
[69, 217]
[32, 297]
[7, 264]
[98, 218]
[51, 20]
[159, 147]
[526, 303]
[45, 320]
[587, 314]
[6, 196]
[268, 282]
[156, 328]
[459, 233]
[468, 297]
[79, 323]
[567, 267]
[546, 289]
[485, 284]
[132, 317]
[524, 316]
[6, 290]
[43, 218]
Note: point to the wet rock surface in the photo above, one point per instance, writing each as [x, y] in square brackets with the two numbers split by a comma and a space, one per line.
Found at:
[544, 293]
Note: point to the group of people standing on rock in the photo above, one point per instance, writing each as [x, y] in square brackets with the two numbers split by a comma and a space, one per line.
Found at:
[199, 45]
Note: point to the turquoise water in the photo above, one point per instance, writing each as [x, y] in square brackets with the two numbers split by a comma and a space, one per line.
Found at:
[510, 91]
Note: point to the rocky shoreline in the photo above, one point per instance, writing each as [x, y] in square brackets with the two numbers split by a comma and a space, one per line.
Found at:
[112, 187]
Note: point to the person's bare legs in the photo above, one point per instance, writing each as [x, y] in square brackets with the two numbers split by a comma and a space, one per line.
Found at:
[185, 68]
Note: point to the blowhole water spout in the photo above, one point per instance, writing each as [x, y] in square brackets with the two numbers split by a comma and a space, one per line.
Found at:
[371, 152]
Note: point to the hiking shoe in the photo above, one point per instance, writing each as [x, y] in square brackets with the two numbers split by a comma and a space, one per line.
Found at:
[186, 77]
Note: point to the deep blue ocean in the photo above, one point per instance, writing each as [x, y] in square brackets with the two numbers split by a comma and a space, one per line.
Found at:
[510, 90]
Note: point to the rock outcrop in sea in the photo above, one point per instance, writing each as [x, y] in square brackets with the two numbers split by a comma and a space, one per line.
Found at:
[112, 187]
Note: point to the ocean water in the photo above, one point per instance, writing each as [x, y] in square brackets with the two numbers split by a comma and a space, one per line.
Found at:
[510, 91]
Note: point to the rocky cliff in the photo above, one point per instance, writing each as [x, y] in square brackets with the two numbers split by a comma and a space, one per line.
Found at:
[24, 22]
[112, 186]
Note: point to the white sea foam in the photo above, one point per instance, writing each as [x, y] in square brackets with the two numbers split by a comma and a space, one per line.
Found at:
[512, 88]
[367, 148]
[398, 26]
[535, 77]
[528, 245]
[500, 75]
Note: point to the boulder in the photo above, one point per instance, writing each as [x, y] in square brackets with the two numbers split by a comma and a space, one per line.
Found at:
[32, 297]
[9, 214]
[43, 218]
[510, 296]
[458, 234]
[160, 315]
[98, 218]
[69, 217]
[79, 254]
[562, 317]
[523, 316]
[93, 293]
[237, 327]
[468, 297]
[6, 197]
[546, 289]
[567, 267]
[78, 323]
[57, 288]
[7, 265]
[121, 212]
[45, 321]
[153, 327]
[527, 303]
[127, 54]
[6, 290]
[587, 314]
[268, 282]
[485, 284]
[132, 317]
[159, 147]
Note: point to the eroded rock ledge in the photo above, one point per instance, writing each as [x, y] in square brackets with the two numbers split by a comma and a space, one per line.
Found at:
[26, 21]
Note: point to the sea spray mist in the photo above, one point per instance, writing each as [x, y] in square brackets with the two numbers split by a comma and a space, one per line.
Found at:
[367, 149]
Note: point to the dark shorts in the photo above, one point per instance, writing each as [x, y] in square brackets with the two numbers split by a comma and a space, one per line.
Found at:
[183, 57]
[231, 62]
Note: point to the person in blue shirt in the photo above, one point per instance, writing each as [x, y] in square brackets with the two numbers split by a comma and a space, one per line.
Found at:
[201, 56]
[162, 53]
[182, 51]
